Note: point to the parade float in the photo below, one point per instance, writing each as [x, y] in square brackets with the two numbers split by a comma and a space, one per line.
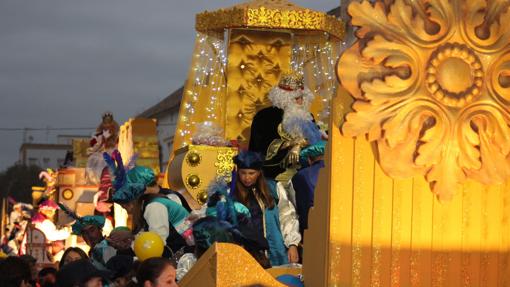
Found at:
[415, 188]
[84, 187]
[240, 54]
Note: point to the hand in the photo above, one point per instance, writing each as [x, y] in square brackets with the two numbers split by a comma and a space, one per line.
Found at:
[293, 254]
[294, 155]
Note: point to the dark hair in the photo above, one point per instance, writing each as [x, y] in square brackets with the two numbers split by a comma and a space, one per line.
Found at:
[46, 271]
[82, 254]
[153, 183]
[44, 282]
[14, 271]
[151, 269]
[243, 194]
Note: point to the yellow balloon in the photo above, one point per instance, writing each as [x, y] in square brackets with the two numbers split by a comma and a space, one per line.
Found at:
[147, 245]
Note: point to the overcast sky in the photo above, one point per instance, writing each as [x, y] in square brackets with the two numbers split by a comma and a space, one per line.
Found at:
[63, 62]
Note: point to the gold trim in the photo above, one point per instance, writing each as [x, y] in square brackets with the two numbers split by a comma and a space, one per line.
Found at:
[268, 14]
[224, 163]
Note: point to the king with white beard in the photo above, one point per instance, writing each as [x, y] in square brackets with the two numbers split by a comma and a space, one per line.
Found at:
[292, 144]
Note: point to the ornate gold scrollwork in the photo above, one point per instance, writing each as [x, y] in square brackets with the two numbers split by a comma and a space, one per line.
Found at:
[224, 163]
[269, 14]
[431, 82]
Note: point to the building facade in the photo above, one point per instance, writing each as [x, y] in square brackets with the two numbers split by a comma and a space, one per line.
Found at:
[43, 155]
[166, 112]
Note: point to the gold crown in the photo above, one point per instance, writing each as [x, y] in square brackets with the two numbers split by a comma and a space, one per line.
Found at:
[292, 81]
[107, 117]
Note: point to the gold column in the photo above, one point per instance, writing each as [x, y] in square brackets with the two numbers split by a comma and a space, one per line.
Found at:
[139, 136]
[430, 89]
[368, 229]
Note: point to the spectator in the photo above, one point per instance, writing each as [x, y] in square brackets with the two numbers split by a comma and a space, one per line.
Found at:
[81, 273]
[121, 238]
[72, 254]
[15, 272]
[91, 229]
[47, 277]
[31, 261]
[122, 269]
[156, 272]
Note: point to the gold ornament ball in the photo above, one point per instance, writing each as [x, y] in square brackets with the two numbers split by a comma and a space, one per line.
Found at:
[194, 181]
[193, 158]
[67, 194]
[202, 197]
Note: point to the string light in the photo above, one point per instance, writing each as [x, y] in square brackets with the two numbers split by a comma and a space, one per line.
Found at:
[209, 77]
[318, 59]
[209, 83]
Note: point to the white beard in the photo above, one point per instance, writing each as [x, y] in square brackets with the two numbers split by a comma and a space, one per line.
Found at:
[294, 116]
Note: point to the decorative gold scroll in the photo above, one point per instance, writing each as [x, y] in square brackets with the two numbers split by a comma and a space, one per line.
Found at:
[431, 82]
[273, 14]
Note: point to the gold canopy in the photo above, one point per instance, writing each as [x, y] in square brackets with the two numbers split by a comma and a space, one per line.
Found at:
[274, 14]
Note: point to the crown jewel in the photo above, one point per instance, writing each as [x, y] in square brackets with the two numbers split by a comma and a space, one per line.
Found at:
[291, 81]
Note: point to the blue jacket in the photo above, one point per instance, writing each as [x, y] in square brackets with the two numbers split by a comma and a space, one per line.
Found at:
[277, 249]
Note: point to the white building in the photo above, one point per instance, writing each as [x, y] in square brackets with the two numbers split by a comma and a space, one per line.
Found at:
[47, 155]
[68, 139]
[166, 112]
[43, 155]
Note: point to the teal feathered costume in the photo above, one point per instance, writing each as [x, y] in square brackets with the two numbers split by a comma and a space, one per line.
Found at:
[130, 183]
[222, 206]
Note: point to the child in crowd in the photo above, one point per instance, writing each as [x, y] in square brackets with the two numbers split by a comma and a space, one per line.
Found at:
[72, 254]
[155, 272]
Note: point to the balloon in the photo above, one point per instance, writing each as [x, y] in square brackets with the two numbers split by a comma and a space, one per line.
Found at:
[290, 280]
[147, 245]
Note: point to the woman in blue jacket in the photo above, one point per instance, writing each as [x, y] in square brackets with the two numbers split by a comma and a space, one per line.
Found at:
[271, 212]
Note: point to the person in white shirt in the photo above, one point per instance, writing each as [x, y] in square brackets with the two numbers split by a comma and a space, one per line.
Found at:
[43, 221]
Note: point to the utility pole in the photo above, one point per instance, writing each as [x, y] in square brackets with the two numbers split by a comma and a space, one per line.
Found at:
[25, 132]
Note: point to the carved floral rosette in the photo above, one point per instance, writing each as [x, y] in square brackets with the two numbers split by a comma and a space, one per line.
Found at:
[431, 83]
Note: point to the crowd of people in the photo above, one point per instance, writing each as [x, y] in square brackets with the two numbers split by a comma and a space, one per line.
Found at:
[264, 208]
